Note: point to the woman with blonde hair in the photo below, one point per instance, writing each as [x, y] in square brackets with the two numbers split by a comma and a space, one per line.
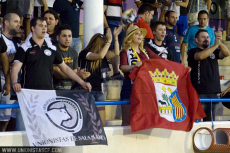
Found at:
[131, 57]
[94, 59]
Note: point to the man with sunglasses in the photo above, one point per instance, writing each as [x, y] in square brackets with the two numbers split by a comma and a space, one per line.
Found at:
[69, 11]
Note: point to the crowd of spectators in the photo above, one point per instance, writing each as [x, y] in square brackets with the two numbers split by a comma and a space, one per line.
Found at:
[41, 49]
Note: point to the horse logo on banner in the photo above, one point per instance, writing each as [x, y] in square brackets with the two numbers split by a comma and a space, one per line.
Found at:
[169, 104]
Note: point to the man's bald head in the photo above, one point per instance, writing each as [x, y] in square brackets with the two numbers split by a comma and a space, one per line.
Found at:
[8, 17]
[11, 23]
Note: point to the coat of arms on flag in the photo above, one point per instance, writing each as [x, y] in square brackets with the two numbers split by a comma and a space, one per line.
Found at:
[163, 97]
[61, 118]
[169, 104]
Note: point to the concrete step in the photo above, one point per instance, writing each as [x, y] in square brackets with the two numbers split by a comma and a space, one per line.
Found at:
[223, 118]
[116, 122]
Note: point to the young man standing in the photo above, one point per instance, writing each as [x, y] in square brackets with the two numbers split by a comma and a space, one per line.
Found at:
[146, 12]
[154, 3]
[182, 22]
[37, 58]
[11, 24]
[69, 56]
[156, 45]
[189, 38]
[38, 61]
[205, 70]
[171, 39]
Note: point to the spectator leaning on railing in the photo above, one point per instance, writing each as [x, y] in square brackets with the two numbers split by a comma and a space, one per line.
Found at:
[205, 71]
[37, 58]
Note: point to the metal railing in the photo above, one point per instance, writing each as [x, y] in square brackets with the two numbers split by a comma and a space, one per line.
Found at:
[213, 100]
[6, 106]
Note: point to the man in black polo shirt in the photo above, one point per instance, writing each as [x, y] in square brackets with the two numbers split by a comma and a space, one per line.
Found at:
[70, 57]
[37, 58]
[69, 11]
[205, 71]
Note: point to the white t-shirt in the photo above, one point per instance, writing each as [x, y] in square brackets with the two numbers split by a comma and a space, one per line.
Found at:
[50, 3]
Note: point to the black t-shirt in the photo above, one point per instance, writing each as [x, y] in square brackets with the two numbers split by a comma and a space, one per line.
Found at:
[95, 77]
[162, 50]
[69, 14]
[205, 73]
[37, 64]
[70, 57]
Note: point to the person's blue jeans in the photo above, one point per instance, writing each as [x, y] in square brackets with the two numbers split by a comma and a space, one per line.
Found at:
[98, 95]
[76, 44]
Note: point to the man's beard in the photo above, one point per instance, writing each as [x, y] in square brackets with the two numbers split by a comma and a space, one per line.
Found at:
[171, 24]
[63, 46]
[13, 32]
[205, 44]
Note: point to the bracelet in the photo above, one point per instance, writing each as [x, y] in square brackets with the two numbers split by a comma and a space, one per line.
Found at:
[108, 43]
[14, 82]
